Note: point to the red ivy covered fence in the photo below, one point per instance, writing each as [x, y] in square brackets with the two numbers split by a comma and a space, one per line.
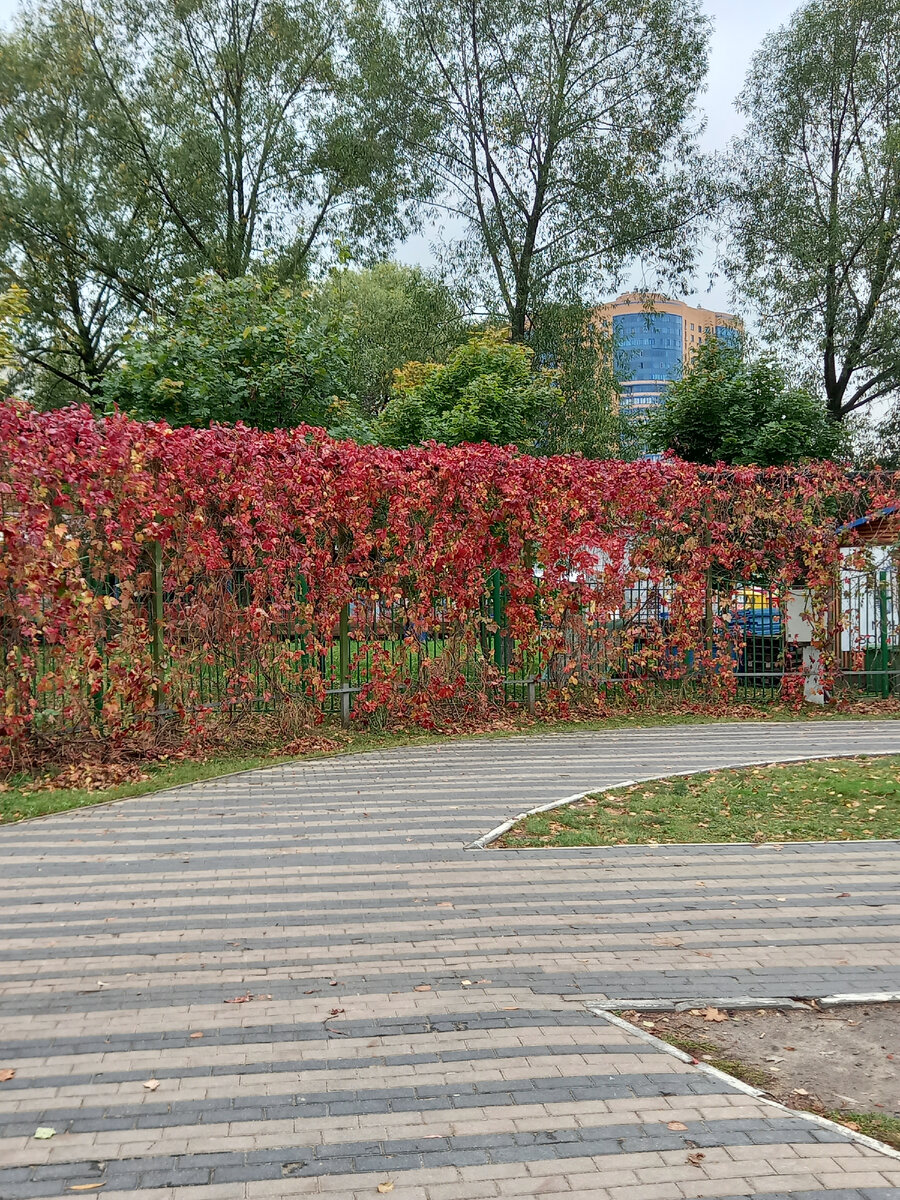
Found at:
[150, 574]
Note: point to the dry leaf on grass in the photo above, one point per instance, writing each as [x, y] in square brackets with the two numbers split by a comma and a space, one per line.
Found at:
[676, 1126]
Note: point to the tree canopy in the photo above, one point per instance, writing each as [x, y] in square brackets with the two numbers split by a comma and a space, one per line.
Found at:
[732, 408]
[243, 349]
[564, 138]
[144, 143]
[391, 314]
[485, 392]
[815, 188]
[79, 231]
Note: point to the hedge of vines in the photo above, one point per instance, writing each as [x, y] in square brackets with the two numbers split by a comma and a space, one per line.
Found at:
[261, 540]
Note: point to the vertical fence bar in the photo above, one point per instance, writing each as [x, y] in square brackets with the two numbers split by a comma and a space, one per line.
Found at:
[883, 632]
[156, 622]
[344, 664]
[497, 617]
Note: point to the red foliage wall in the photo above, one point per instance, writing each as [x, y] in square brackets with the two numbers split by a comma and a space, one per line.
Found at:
[265, 536]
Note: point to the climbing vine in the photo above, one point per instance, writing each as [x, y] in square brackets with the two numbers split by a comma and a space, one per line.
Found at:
[153, 574]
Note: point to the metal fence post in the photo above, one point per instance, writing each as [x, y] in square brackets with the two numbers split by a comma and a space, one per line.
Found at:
[156, 622]
[883, 632]
[497, 616]
[344, 665]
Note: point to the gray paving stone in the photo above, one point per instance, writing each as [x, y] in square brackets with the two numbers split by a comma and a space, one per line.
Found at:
[356, 870]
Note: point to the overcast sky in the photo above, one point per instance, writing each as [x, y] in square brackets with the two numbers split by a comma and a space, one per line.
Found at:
[739, 26]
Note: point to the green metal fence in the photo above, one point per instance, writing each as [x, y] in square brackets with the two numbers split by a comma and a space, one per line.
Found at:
[202, 654]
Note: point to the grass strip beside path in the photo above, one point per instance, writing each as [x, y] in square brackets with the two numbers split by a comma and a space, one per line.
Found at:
[827, 800]
[21, 799]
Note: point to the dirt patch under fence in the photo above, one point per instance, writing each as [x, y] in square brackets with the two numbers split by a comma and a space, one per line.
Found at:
[840, 1062]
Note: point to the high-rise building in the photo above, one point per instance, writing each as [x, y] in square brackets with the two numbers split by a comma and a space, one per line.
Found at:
[653, 338]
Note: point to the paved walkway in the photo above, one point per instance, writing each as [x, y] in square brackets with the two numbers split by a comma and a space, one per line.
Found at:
[417, 1009]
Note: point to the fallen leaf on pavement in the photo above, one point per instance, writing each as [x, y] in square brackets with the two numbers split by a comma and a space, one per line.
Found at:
[196, 1035]
[85, 1187]
[696, 1159]
[677, 1126]
[421, 987]
[240, 999]
[444, 904]
[151, 1085]
[466, 982]
[6, 1073]
[387, 1186]
[44, 1131]
[714, 1014]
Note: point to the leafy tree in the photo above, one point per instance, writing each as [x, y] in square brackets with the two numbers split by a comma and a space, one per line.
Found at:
[143, 143]
[816, 194]
[393, 314]
[241, 350]
[565, 139]
[259, 124]
[587, 419]
[13, 309]
[485, 392]
[79, 232]
[731, 408]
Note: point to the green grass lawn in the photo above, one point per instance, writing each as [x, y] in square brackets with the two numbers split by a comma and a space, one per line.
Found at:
[836, 799]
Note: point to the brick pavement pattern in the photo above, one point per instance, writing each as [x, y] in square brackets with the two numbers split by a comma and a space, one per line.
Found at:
[416, 1011]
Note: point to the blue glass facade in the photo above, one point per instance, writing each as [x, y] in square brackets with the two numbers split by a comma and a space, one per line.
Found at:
[648, 349]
